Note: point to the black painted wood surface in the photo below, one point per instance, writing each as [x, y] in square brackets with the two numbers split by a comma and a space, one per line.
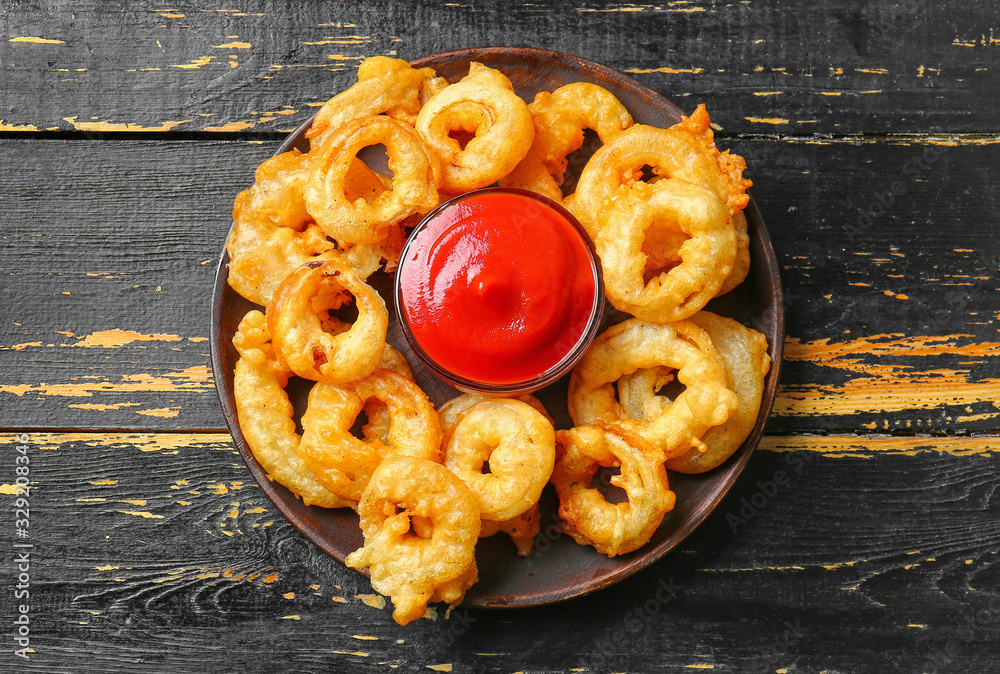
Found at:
[863, 535]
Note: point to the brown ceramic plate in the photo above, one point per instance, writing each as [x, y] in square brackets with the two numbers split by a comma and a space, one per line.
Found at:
[559, 568]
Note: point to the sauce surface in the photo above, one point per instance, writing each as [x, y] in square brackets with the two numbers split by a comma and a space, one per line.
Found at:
[497, 287]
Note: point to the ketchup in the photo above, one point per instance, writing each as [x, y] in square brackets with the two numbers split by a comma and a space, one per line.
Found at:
[498, 286]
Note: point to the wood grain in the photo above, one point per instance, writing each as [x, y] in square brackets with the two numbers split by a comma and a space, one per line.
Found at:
[909, 67]
[156, 552]
[892, 320]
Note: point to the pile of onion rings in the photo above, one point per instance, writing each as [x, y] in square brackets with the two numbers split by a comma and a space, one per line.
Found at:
[428, 483]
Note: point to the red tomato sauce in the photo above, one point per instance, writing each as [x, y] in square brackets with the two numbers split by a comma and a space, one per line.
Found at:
[497, 287]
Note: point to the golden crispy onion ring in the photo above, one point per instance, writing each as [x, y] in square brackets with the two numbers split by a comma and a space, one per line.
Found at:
[519, 444]
[706, 258]
[686, 151]
[612, 528]
[416, 177]
[521, 529]
[344, 463]
[483, 102]
[385, 85]
[273, 234]
[624, 348]
[560, 118]
[379, 419]
[744, 352]
[421, 524]
[299, 338]
[266, 414]
[741, 266]
[452, 410]
[662, 246]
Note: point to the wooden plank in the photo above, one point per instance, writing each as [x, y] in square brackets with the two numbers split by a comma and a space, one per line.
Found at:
[156, 552]
[108, 281]
[913, 67]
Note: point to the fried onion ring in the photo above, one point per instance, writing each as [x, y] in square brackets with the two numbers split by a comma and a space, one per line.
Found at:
[299, 338]
[519, 444]
[344, 463]
[452, 410]
[416, 177]
[560, 118]
[483, 102]
[521, 529]
[266, 414]
[744, 352]
[624, 348]
[706, 258]
[741, 266]
[686, 151]
[385, 85]
[421, 524]
[273, 234]
[272, 231]
[612, 528]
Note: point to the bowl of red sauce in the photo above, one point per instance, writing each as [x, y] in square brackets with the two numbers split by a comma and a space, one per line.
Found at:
[499, 291]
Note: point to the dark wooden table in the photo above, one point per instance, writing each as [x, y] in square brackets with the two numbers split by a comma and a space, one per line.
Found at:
[872, 132]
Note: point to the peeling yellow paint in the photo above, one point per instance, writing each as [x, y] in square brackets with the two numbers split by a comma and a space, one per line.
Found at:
[104, 483]
[838, 565]
[869, 446]
[446, 667]
[232, 45]
[873, 71]
[270, 579]
[107, 568]
[766, 120]
[231, 127]
[767, 93]
[878, 382]
[110, 339]
[339, 600]
[162, 412]
[290, 617]
[135, 501]
[109, 126]
[361, 637]
[196, 63]
[36, 40]
[289, 595]
[664, 69]
[192, 378]
[21, 347]
[345, 39]
[17, 127]
[10, 489]
[101, 408]
[373, 600]
[699, 666]
[144, 442]
[142, 513]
